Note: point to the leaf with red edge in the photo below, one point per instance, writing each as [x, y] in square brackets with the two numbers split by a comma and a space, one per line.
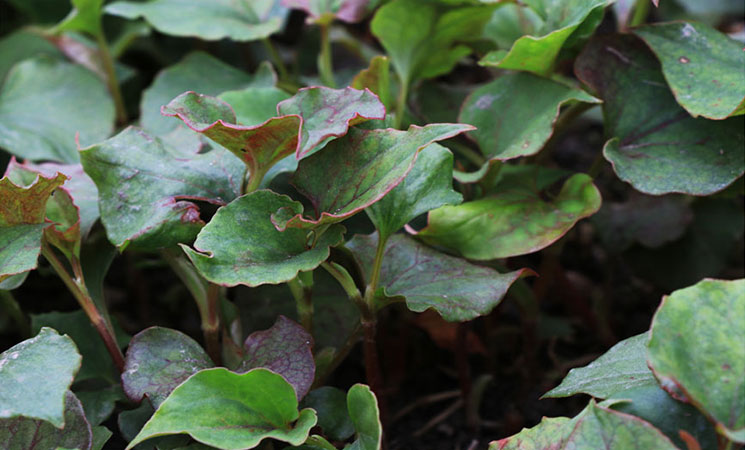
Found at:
[285, 348]
[350, 11]
[328, 113]
[357, 170]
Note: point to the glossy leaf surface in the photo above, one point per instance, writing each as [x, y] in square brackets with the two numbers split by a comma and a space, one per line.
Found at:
[513, 222]
[240, 245]
[159, 359]
[231, 411]
[514, 115]
[426, 278]
[33, 127]
[353, 172]
[142, 182]
[658, 147]
[35, 375]
[286, 349]
[703, 67]
[695, 347]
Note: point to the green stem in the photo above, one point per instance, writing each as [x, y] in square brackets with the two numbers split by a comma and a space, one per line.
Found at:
[375, 277]
[9, 304]
[80, 292]
[255, 177]
[341, 275]
[276, 59]
[403, 94]
[467, 152]
[211, 327]
[325, 69]
[108, 65]
[304, 302]
[641, 11]
[597, 165]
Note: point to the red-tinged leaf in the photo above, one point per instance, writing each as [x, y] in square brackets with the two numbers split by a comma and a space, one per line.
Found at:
[328, 113]
[285, 348]
[357, 170]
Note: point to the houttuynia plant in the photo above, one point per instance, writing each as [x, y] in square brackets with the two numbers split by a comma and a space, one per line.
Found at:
[208, 204]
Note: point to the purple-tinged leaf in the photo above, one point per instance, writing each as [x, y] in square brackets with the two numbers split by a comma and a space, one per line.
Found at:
[285, 348]
[159, 359]
[426, 278]
[328, 113]
[350, 11]
[357, 170]
[142, 184]
[25, 433]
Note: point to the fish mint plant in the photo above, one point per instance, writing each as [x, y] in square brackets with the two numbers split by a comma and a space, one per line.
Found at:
[362, 224]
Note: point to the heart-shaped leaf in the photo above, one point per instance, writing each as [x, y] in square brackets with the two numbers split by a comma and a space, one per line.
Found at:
[27, 433]
[695, 347]
[513, 222]
[658, 147]
[355, 171]
[350, 11]
[140, 181]
[595, 427]
[231, 411]
[537, 53]
[285, 348]
[425, 278]
[212, 20]
[621, 368]
[35, 375]
[33, 127]
[240, 245]
[22, 222]
[702, 66]
[515, 114]
[159, 359]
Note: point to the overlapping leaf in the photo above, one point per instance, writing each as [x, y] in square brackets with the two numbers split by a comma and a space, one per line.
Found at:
[350, 11]
[33, 127]
[333, 417]
[23, 44]
[240, 245]
[703, 67]
[231, 411]
[376, 78]
[695, 347]
[425, 278]
[355, 171]
[212, 20]
[514, 115]
[159, 359]
[36, 375]
[658, 147]
[285, 349]
[512, 222]
[141, 182]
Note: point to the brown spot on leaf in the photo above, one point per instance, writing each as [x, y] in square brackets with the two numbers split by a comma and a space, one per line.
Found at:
[726, 366]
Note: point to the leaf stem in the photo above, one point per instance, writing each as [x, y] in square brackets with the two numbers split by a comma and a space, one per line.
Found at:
[341, 275]
[80, 292]
[304, 302]
[325, 69]
[255, 177]
[9, 304]
[470, 154]
[276, 59]
[375, 276]
[641, 11]
[211, 328]
[403, 94]
[108, 65]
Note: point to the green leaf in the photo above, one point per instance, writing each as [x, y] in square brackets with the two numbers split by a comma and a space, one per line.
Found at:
[513, 222]
[285, 348]
[99, 404]
[27, 433]
[510, 22]
[429, 185]
[703, 67]
[96, 360]
[595, 427]
[24, 44]
[131, 422]
[350, 11]
[211, 21]
[231, 411]
[431, 42]
[357, 170]
[33, 127]
[515, 114]
[141, 182]
[425, 278]
[363, 410]
[658, 147]
[328, 113]
[228, 252]
[695, 347]
[621, 368]
[331, 405]
[101, 436]
[159, 359]
[197, 72]
[85, 16]
[22, 223]
[35, 375]
[538, 52]
[254, 105]
[376, 78]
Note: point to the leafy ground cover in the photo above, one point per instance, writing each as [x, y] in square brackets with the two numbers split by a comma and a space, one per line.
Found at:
[368, 224]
